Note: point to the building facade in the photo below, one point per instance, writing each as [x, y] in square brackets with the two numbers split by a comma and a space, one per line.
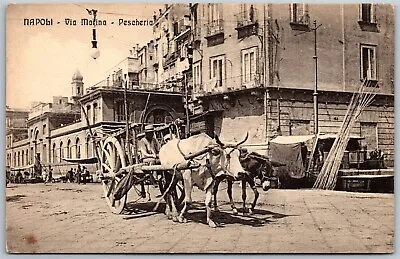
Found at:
[60, 130]
[254, 69]
[237, 68]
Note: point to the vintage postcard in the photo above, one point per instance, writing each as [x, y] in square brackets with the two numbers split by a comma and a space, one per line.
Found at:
[200, 128]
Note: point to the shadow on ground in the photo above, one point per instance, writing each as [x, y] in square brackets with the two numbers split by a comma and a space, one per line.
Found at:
[15, 198]
[197, 213]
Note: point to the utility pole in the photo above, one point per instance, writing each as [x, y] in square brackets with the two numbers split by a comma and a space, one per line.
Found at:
[315, 57]
[265, 76]
[315, 94]
[127, 142]
[187, 105]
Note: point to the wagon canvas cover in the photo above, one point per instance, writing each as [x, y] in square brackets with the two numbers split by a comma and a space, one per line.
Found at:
[287, 150]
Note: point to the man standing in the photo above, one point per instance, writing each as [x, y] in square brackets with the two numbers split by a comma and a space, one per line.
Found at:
[79, 174]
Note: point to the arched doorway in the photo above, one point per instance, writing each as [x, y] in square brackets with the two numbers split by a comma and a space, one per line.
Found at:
[160, 114]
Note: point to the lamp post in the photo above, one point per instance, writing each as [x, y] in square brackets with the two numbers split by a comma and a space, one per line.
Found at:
[96, 51]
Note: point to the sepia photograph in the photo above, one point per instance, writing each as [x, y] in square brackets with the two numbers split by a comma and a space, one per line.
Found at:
[206, 128]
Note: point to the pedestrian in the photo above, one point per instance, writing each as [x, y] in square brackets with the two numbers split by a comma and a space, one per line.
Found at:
[79, 174]
[50, 176]
[84, 172]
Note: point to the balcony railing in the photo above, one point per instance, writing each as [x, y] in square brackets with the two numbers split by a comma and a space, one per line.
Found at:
[247, 18]
[197, 33]
[215, 27]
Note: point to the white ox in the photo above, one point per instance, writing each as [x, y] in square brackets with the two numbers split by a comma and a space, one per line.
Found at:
[216, 162]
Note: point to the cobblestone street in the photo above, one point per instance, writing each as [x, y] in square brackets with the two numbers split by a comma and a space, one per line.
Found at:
[71, 218]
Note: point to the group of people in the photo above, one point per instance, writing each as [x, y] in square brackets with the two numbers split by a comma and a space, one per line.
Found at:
[47, 175]
[80, 175]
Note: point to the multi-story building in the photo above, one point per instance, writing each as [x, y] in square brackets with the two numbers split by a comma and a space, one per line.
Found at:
[254, 69]
[60, 129]
[16, 130]
[171, 41]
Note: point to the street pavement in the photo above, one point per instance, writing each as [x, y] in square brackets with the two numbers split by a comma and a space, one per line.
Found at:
[71, 218]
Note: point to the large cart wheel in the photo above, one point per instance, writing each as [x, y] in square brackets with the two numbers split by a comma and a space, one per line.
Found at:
[112, 159]
[180, 191]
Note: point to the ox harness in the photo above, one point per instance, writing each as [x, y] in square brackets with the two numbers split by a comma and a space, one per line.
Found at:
[207, 164]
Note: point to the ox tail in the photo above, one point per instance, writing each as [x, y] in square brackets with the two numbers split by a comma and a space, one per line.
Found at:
[167, 190]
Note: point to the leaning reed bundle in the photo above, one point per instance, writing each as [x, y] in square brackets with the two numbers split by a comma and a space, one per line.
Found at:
[327, 178]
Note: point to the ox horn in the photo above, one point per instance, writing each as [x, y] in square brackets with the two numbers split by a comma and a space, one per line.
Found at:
[218, 140]
[244, 140]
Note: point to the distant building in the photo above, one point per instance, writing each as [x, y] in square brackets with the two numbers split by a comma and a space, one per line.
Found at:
[60, 129]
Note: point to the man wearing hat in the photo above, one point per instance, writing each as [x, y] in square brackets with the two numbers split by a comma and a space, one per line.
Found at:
[148, 146]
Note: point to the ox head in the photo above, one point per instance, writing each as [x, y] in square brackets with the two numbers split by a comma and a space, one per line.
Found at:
[229, 156]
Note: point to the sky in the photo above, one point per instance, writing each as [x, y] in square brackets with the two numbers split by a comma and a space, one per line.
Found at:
[40, 60]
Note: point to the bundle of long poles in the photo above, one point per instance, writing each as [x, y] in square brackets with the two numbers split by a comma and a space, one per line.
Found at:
[327, 178]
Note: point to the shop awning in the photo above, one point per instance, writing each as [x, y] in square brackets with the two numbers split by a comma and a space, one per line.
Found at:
[292, 139]
[90, 160]
[22, 168]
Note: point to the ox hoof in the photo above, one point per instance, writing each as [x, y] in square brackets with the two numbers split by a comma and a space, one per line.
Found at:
[175, 219]
[211, 224]
[169, 217]
[234, 211]
[251, 212]
[182, 220]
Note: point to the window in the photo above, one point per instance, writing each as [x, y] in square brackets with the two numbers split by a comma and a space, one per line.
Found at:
[27, 157]
[151, 57]
[368, 62]
[8, 122]
[78, 148]
[61, 151]
[44, 129]
[88, 113]
[217, 71]
[69, 149]
[299, 127]
[249, 65]
[299, 14]
[95, 111]
[23, 157]
[197, 76]
[367, 13]
[78, 90]
[54, 153]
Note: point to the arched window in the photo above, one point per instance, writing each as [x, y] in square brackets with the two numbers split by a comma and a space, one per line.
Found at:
[19, 159]
[78, 148]
[93, 142]
[69, 149]
[54, 154]
[88, 147]
[61, 150]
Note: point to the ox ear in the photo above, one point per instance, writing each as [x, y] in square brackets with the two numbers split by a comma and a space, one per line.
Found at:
[218, 140]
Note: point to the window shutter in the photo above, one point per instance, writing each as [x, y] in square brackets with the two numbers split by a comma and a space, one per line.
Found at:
[291, 12]
[373, 13]
[360, 12]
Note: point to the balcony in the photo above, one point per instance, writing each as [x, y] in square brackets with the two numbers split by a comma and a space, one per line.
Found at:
[170, 58]
[197, 33]
[215, 28]
[247, 18]
[247, 23]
